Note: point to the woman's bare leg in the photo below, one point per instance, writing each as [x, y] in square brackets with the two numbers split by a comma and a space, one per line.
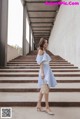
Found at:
[39, 99]
[46, 100]
[46, 95]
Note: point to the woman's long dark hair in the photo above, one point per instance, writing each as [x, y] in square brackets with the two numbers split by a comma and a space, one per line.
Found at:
[41, 43]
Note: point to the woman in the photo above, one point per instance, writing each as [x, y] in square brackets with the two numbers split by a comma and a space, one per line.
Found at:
[45, 73]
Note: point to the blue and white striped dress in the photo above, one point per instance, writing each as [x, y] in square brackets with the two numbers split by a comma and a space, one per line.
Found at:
[49, 76]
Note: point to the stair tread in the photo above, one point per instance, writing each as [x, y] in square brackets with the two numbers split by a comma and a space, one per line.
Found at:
[32, 97]
[34, 85]
[37, 69]
[36, 78]
[36, 73]
[37, 66]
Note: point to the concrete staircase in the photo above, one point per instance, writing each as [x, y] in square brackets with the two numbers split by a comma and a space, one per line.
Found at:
[18, 83]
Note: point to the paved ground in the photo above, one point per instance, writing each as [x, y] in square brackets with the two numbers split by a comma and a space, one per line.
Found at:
[31, 113]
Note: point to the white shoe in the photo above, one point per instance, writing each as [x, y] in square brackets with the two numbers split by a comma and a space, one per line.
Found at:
[49, 112]
[40, 109]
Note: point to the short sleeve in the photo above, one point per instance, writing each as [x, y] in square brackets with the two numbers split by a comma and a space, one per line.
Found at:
[42, 58]
[39, 59]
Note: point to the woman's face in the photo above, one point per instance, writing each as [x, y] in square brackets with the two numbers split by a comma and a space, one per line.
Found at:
[46, 44]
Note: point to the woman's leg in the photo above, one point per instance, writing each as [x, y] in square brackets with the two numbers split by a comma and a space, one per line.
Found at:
[39, 99]
[46, 95]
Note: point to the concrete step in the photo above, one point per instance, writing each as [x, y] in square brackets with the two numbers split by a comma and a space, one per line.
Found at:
[34, 74]
[38, 65]
[37, 70]
[35, 67]
[34, 61]
[32, 87]
[34, 79]
[34, 56]
[37, 90]
[30, 99]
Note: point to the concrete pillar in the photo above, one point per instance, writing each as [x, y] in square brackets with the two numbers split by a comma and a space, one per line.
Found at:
[32, 44]
[29, 38]
[3, 31]
[24, 28]
[31, 41]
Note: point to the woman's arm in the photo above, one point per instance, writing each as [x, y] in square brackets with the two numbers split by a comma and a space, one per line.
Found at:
[40, 52]
[42, 71]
